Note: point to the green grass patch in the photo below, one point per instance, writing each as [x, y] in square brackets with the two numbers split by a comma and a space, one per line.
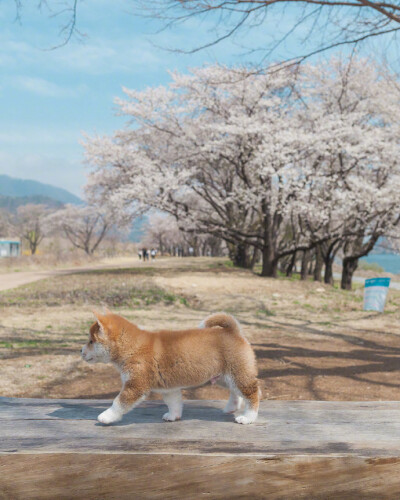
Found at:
[266, 312]
[113, 290]
[19, 344]
[224, 265]
[123, 271]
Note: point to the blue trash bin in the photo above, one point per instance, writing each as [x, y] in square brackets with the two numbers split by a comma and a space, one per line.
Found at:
[375, 293]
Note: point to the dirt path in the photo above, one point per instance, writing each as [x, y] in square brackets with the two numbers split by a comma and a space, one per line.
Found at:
[14, 279]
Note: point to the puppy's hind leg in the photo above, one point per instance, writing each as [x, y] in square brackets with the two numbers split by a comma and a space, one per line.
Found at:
[234, 403]
[251, 396]
[173, 399]
[235, 399]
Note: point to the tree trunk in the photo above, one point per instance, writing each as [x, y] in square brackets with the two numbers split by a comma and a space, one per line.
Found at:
[32, 239]
[329, 251]
[311, 266]
[290, 267]
[350, 264]
[33, 247]
[328, 276]
[269, 263]
[161, 245]
[304, 265]
[240, 256]
[318, 265]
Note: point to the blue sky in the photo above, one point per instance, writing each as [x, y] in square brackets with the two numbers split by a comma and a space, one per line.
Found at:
[49, 97]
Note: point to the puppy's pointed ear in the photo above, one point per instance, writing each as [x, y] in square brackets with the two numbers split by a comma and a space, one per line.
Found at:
[98, 315]
[107, 310]
[100, 320]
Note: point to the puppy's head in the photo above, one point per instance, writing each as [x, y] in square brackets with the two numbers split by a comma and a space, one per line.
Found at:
[98, 347]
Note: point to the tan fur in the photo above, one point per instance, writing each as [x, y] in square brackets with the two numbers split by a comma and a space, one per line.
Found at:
[166, 360]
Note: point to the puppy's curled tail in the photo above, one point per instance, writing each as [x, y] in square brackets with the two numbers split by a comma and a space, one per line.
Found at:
[223, 320]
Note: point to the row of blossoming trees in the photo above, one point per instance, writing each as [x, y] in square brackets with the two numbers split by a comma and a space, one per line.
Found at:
[85, 226]
[280, 163]
[163, 232]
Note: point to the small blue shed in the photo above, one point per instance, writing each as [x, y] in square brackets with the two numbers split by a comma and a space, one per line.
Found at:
[10, 247]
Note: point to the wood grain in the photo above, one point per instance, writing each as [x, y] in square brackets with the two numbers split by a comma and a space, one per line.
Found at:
[297, 449]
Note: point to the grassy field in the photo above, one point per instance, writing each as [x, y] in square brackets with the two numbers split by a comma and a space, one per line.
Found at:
[312, 341]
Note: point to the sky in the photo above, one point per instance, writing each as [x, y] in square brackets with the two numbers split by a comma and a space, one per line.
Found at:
[50, 96]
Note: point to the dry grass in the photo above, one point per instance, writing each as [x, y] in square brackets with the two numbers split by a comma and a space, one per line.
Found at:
[312, 341]
[58, 253]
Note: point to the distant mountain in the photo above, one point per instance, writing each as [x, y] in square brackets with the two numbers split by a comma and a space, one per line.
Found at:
[11, 203]
[11, 187]
[17, 192]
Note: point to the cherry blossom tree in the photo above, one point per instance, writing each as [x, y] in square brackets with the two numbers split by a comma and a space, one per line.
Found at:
[278, 162]
[85, 226]
[219, 149]
[354, 108]
[163, 232]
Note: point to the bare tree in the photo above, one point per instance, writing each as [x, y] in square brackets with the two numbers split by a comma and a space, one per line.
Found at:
[31, 224]
[333, 22]
[66, 11]
[84, 226]
[7, 225]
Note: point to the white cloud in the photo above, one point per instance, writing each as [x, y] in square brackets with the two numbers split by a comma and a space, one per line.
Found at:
[108, 56]
[33, 136]
[46, 88]
[93, 57]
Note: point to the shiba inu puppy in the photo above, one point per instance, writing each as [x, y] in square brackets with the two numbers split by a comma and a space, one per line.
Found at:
[167, 361]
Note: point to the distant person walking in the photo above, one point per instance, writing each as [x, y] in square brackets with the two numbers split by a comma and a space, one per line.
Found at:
[153, 253]
[145, 253]
[140, 254]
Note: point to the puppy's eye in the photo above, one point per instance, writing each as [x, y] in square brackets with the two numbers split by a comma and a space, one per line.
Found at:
[91, 342]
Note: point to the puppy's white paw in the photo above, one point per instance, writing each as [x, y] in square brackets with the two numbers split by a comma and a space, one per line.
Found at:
[241, 419]
[109, 417]
[168, 417]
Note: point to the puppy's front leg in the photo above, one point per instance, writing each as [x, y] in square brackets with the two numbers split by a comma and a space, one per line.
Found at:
[129, 397]
[173, 399]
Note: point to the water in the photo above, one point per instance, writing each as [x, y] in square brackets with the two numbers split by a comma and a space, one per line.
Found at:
[390, 262]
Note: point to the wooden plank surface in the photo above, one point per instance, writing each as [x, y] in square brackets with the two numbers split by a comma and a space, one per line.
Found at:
[297, 449]
[366, 429]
